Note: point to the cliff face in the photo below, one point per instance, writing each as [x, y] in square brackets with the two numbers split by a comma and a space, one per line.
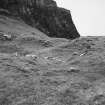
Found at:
[44, 15]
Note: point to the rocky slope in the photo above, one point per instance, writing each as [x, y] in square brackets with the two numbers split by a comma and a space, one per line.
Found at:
[42, 14]
[38, 70]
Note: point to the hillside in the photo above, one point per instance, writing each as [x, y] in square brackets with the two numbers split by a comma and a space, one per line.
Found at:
[44, 15]
[36, 69]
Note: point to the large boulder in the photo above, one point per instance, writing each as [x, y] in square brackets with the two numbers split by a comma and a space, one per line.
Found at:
[44, 15]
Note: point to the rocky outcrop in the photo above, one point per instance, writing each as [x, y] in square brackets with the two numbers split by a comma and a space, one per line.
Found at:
[44, 15]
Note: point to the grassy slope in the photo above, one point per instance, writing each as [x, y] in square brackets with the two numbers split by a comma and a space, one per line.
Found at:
[38, 70]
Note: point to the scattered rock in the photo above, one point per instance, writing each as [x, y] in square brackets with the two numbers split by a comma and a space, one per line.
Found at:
[6, 36]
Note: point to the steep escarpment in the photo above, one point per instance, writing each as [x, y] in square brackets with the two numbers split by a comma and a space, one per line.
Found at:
[42, 14]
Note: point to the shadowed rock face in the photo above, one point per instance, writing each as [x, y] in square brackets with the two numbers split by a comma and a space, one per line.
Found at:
[44, 15]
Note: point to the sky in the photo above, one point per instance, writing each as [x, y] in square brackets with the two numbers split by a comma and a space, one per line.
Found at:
[88, 15]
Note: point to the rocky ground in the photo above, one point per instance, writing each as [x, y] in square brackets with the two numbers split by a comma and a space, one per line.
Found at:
[38, 70]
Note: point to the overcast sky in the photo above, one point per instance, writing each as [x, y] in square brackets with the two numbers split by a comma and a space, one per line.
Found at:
[88, 15]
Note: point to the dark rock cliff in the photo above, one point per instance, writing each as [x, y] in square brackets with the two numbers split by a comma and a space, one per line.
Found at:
[44, 15]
